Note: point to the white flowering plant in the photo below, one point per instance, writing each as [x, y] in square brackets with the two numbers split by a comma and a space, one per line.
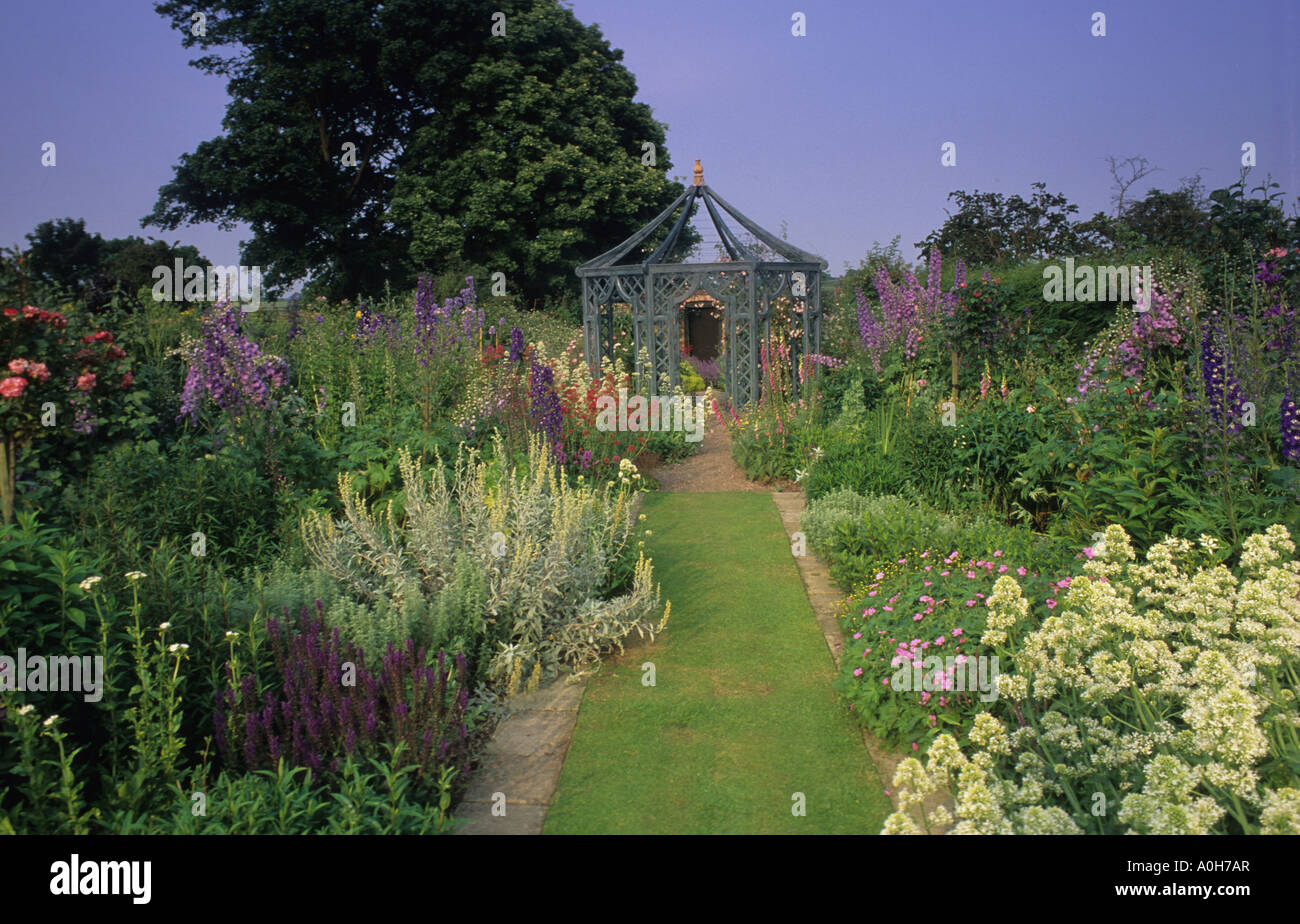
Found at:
[1159, 699]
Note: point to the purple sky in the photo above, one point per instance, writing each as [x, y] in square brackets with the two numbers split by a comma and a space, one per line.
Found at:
[837, 133]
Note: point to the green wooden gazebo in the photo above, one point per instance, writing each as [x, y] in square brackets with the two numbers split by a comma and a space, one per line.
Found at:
[748, 286]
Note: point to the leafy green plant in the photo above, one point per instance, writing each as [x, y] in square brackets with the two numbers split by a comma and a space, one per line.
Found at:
[542, 546]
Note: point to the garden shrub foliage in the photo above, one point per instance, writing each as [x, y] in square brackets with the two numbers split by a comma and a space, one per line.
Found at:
[542, 545]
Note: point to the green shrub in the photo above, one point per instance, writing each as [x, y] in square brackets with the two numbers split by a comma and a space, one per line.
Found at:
[221, 494]
[542, 547]
[859, 457]
[375, 798]
[859, 534]
[691, 381]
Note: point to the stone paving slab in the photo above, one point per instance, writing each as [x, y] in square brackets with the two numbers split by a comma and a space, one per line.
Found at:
[522, 763]
[524, 758]
[477, 818]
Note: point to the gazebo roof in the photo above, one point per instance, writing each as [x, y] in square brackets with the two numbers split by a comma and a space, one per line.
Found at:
[682, 206]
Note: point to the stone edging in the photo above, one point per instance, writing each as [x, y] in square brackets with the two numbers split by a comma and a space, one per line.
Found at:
[825, 601]
[521, 766]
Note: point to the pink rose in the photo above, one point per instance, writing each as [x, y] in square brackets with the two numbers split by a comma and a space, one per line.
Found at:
[18, 366]
[12, 386]
[39, 371]
[86, 382]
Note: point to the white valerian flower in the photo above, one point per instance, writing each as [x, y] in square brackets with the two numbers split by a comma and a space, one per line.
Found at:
[26, 710]
[177, 647]
[163, 627]
[89, 583]
[816, 452]
[136, 576]
[799, 475]
[231, 633]
[899, 823]
[50, 721]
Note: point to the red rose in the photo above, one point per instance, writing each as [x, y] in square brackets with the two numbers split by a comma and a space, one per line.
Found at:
[127, 380]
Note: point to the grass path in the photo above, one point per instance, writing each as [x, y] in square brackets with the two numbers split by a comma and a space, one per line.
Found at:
[742, 715]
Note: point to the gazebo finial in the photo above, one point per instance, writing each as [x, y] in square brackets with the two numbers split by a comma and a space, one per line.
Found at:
[699, 174]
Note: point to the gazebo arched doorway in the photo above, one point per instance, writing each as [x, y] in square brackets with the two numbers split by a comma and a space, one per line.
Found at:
[752, 281]
[702, 334]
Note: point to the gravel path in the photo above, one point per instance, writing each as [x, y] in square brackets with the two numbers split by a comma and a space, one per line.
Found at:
[712, 468]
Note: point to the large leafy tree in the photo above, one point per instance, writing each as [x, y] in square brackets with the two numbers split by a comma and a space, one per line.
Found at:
[520, 152]
[64, 260]
[993, 228]
[537, 165]
[62, 255]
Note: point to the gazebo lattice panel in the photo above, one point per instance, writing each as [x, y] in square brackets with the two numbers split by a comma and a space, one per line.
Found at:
[747, 285]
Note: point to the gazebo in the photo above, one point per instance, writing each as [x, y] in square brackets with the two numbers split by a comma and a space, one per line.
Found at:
[748, 285]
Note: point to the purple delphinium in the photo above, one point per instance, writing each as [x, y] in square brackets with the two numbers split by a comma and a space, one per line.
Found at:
[910, 311]
[516, 344]
[229, 369]
[1222, 390]
[373, 327]
[544, 410]
[84, 420]
[439, 328]
[1290, 428]
[1154, 328]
